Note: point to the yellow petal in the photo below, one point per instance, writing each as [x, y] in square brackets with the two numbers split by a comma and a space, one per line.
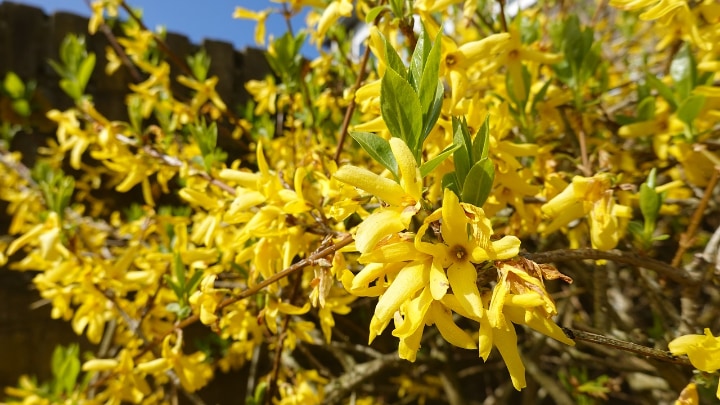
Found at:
[415, 312]
[410, 179]
[375, 227]
[661, 9]
[506, 342]
[381, 187]
[438, 281]
[462, 278]
[409, 281]
[390, 253]
[537, 322]
[153, 366]
[99, 365]
[448, 329]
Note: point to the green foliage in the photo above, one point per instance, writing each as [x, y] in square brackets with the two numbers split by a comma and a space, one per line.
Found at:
[285, 58]
[199, 64]
[379, 149]
[65, 367]
[411, 98]
[474, 172]
[75, 67]
[650, 203]
[585, 390]
[182, 286]
[57, 188]
[582, 55]
[19, 93]
[206, 137]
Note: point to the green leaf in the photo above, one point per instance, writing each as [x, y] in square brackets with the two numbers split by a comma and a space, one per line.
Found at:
[199, 64]
[65, 367]
[519, 98]
[85, 71]
[650, 203]
[393, 60]
[540, 95]
[690, 108]
[374, 12]
[646, 109]
[462, 157]
[379, 149]
[22, 107]
[193, 282]
[431, 115]
[397, 7]
[481, 143]
[478, 183]
[400, 108]
[431, 90]
[663, 90]
[683, 70]
[450, 181]
[417, 60]
[431, 164]
[179, 271]
[13, 85]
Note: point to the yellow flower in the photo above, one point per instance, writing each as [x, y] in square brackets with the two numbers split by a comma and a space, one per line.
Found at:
[335, 10]
[702, 350]
[205, 91]
[403, 196]
[192, 370]
[259, 17]
[459, 59]
[465, 232]
[589, 195]
[264, 92]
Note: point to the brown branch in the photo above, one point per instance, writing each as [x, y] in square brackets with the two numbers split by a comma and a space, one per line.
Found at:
[678, 275]
[579, 335]
[134, 72]
[163, 46]
[351, 107]
[687, 238]
[256, 288]
[273, 383]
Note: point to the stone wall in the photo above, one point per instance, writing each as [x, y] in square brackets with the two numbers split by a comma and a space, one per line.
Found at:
[28, 39]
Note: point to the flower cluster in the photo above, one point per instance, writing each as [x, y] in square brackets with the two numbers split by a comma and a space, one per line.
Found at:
[393, 191]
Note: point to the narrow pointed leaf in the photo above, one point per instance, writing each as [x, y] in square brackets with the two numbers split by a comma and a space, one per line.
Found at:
[379, 149]
[481, 143]
[400, 108]
[431, 164]
[478, 183]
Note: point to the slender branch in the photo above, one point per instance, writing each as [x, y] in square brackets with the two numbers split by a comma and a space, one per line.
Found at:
[256, 288]
[120, 52]
[163, 46]
[340, 387]
[687, 238]
[678, 275]
[273, 385]
[351, 107]
[579, 335]
[501, 16]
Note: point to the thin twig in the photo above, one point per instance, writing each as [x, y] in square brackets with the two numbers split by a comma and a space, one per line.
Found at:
[340, 387]
[688, 237]
[256, 288]
[351, 107]
[678, 275]
[273, 385]
[662, 355]
[181, 64]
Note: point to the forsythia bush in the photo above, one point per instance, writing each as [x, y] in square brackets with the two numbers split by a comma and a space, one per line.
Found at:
[485, 142]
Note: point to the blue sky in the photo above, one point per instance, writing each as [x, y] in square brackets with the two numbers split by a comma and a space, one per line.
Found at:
[211, 19]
